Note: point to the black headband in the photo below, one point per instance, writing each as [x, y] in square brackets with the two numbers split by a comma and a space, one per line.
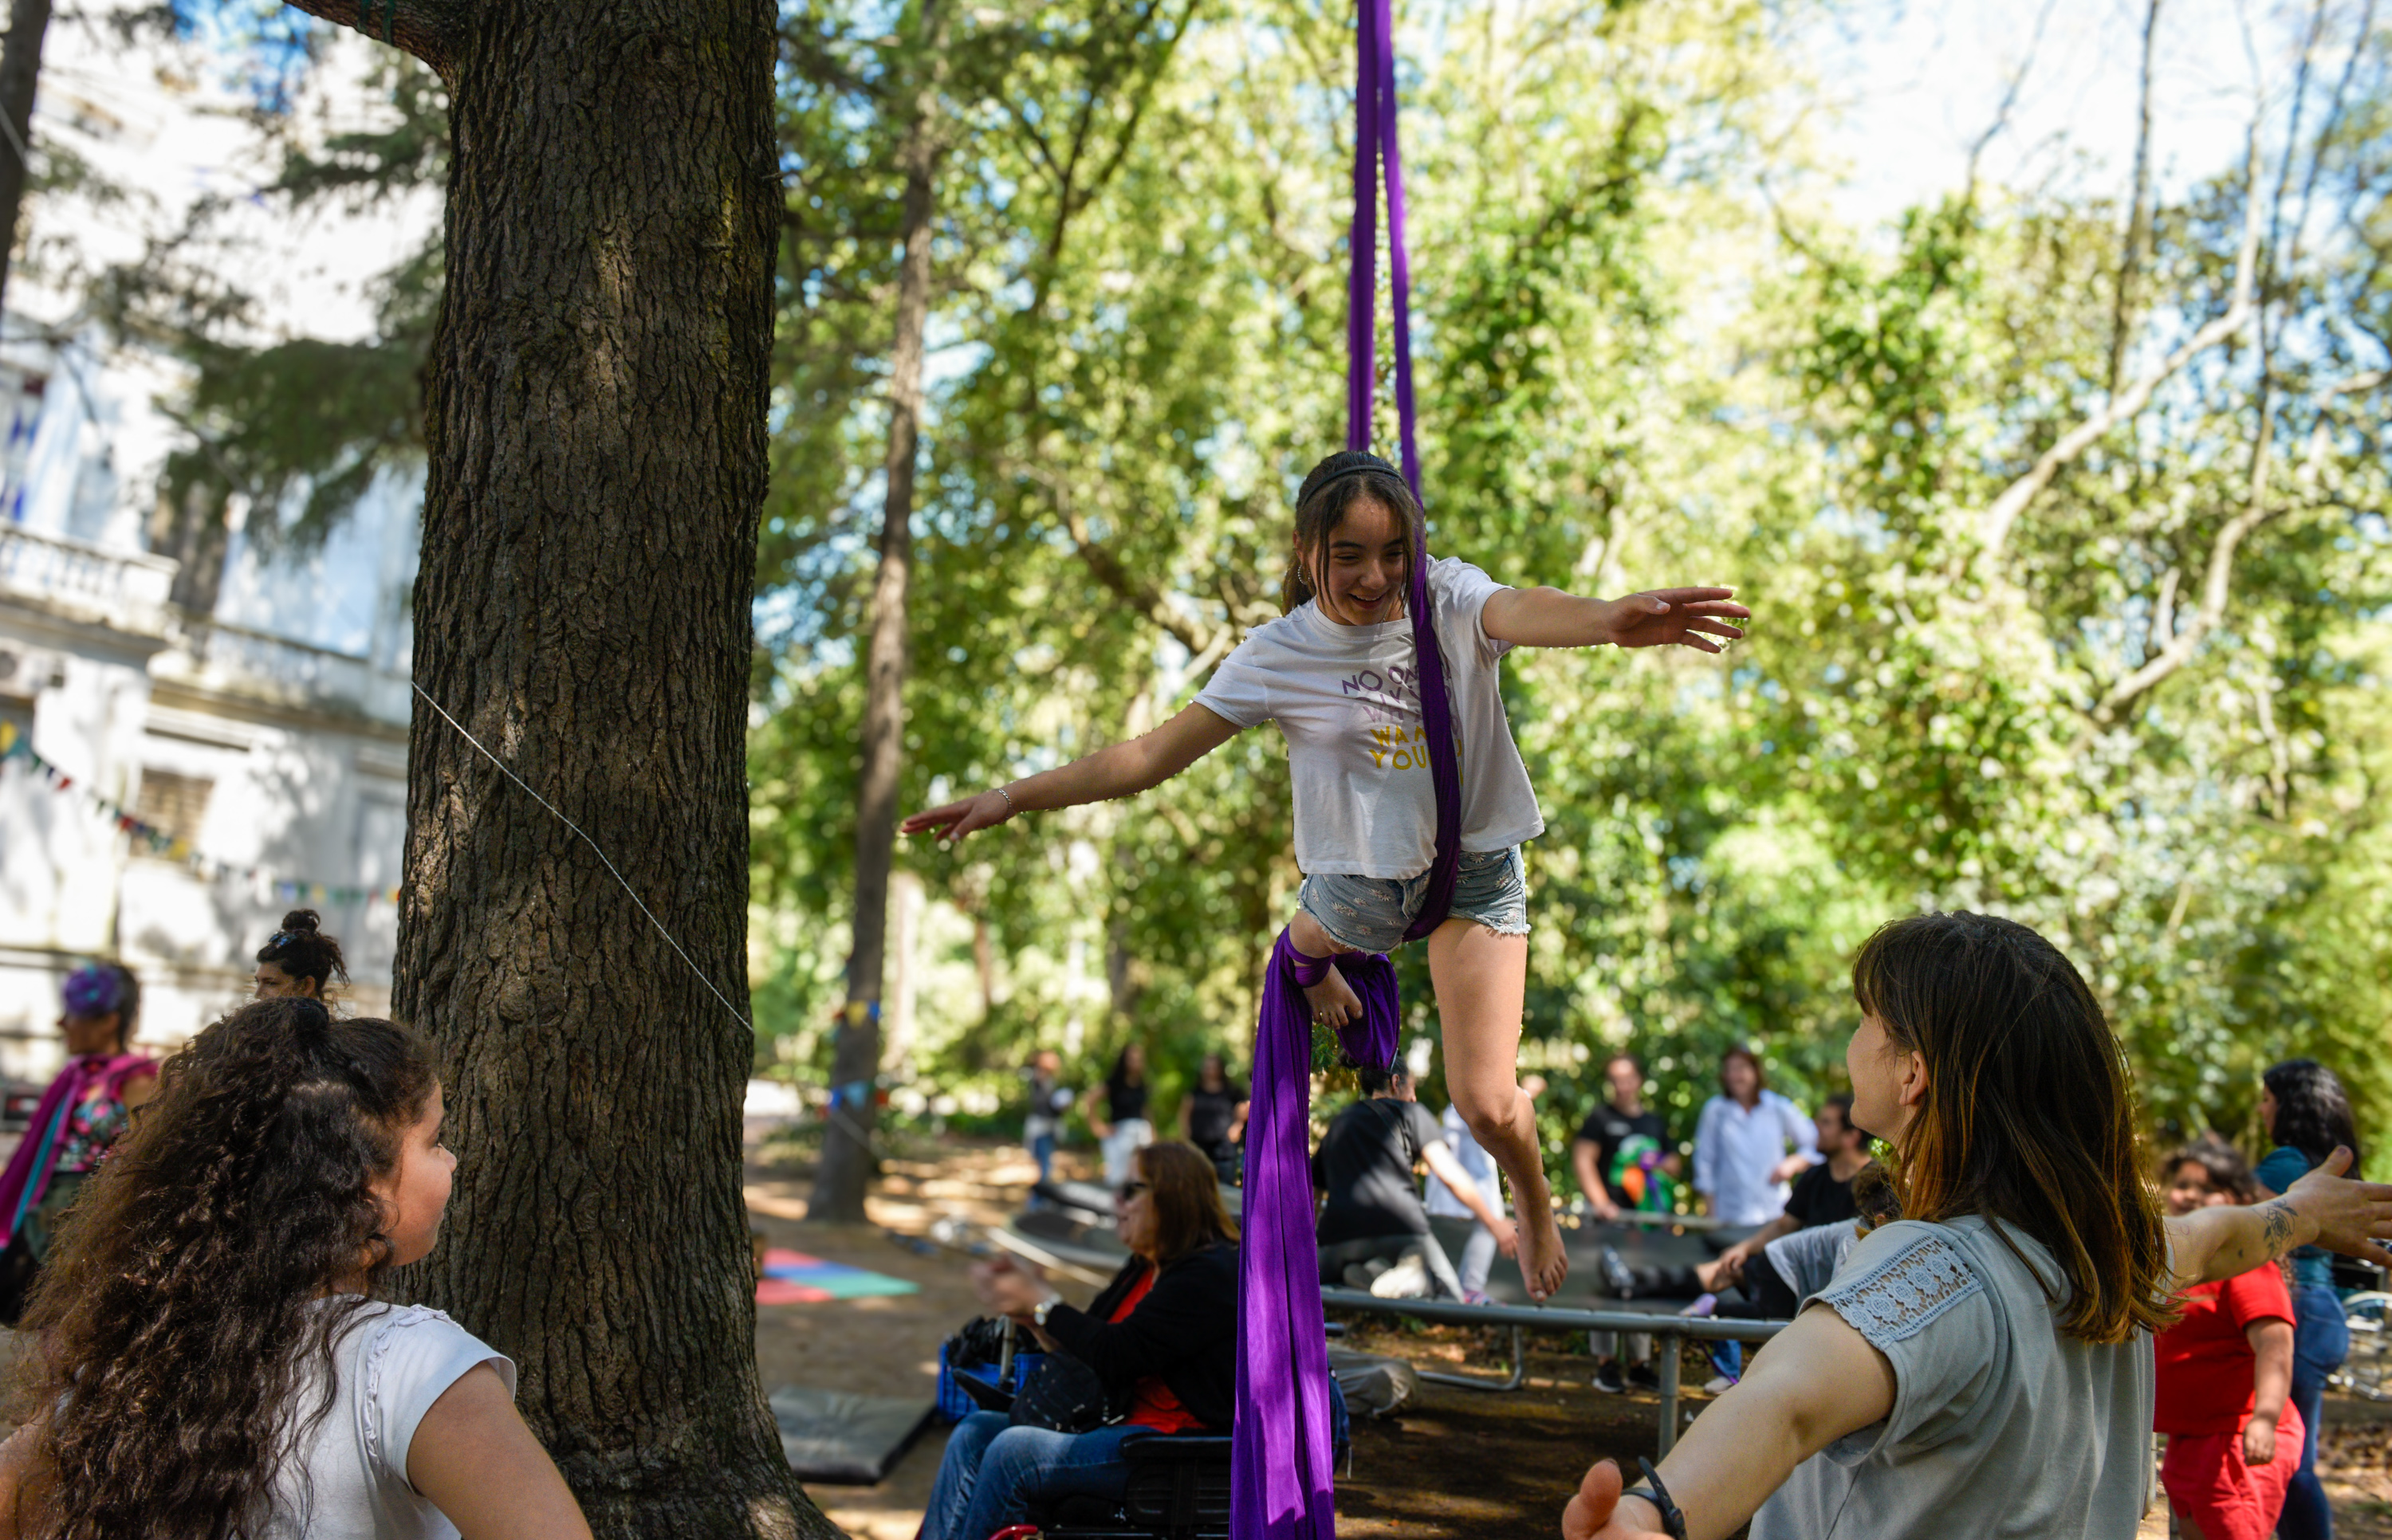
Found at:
[1373, 465]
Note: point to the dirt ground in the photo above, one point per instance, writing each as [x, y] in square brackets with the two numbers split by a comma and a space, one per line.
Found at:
[1455, 1465]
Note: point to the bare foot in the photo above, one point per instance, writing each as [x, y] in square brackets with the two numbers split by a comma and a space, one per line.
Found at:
[1333, 1001]
[1544, 1265]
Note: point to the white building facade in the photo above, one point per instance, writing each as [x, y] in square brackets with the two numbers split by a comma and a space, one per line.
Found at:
[191, 776]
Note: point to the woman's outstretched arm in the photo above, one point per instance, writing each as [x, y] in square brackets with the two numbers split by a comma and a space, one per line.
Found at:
[1118, 770]
[1819, 1380]
[2321, 1209]
[1663, 617]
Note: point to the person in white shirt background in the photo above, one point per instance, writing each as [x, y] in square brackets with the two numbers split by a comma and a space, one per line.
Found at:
[1478, 1255]
[1749, 1143]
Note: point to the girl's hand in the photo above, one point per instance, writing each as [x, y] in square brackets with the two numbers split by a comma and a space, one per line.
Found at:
[1667, 617]
[2259, 1441]
[1596, 1513]
[958, 819]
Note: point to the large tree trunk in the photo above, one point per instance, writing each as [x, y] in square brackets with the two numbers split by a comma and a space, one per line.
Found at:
[597, 444]
[20, 74]
[847, 1157]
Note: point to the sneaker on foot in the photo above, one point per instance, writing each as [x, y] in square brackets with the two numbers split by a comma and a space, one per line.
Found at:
[1476, 1297]
[1704, 1305]
[1644, 1378]
[1718, 1384]
[1606, 1379]
[1407, 1280]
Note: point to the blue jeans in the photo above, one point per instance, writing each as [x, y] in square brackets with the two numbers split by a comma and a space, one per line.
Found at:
[994, 1469]
[2321, 1341]
[1042, 1149]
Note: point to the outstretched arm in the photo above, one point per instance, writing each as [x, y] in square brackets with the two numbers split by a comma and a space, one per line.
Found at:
[1548, 618]
[2321, 1209]
[1446, 1168]
[1118, 770]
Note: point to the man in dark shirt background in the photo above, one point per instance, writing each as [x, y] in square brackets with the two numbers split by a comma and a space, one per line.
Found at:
[1622, 1147]
[1821, 1195]
[1373, 1231]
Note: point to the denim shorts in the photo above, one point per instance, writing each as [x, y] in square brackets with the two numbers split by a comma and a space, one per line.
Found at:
[1372, 914]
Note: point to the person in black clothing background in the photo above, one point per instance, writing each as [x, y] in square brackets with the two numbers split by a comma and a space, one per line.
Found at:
[1622, 1125]
[1121, 1130]
[1162, 1338]
[1374, 1223]
[1212, 1116]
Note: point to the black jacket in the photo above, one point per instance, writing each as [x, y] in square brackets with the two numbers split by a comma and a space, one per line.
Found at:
[1184, 1332]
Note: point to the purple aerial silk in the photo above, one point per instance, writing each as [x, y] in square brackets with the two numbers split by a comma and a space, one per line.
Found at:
[1281, 1484]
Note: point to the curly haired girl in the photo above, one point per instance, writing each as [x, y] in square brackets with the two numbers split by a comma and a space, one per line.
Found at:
[214, 1363]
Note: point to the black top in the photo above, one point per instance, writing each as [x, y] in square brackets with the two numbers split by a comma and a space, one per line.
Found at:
[1124, 1101]
[1610, 1130]
[1818, 1198]
[1365, 1165]
[1184, 1332]
[1210, 1112]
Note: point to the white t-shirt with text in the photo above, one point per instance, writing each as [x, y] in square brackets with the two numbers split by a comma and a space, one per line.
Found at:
[346, 1480]
[1347, 700]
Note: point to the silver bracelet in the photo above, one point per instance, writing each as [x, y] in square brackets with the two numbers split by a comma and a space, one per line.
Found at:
[1008, 800]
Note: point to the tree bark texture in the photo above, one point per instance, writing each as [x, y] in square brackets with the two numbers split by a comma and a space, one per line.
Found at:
[847, 1157]
[20, 76]
[596, 427]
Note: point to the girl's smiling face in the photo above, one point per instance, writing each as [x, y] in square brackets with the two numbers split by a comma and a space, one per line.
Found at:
[1366, 570]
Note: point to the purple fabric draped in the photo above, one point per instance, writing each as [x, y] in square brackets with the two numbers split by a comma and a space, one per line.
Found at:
[27, 1179]
[1281, 1486]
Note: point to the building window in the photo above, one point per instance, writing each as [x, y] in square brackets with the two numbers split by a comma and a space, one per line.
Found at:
[175, 805]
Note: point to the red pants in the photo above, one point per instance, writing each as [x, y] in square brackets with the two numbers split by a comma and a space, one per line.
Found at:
[2208, 1484]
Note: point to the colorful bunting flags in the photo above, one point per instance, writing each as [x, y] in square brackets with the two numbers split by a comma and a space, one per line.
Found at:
[14, 745]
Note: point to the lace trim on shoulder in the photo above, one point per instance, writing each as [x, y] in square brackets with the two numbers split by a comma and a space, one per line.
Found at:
[1902, 1297]
[390, 1321]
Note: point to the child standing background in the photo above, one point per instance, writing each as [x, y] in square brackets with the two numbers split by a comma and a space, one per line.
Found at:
[1337, 671]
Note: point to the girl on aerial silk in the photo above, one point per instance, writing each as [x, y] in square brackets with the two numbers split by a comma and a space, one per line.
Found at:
[1383, 676]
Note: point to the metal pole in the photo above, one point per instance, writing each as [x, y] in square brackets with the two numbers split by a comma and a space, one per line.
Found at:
[1672, 1349]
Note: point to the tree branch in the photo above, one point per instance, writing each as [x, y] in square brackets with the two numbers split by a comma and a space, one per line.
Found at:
[2217, 583]
[1107, 569]
[1994, 524]
[431, 30]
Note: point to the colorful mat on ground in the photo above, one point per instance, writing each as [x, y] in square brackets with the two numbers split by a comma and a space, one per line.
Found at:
[794, 1279]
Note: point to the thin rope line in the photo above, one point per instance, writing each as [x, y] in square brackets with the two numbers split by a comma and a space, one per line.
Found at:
[835, 1114]
[577, 828]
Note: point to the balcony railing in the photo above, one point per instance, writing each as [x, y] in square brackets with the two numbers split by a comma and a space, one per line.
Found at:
[237, 660]
[126, 589]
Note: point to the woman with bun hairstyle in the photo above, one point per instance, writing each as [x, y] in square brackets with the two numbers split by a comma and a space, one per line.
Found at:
[299, 959]
[214, 1361]
[79, 1120]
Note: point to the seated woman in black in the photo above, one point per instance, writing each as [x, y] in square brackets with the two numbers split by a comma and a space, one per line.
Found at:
[1162, 1337]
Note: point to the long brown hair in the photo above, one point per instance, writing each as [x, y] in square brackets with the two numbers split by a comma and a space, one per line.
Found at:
[202, 1269]
[2029, 1117]
[1334, 486]
[1185, 1194]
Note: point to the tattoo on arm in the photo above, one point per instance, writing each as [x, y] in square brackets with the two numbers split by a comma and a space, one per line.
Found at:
[2278, 1238]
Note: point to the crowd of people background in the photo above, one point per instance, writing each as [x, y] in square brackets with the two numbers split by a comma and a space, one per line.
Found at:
[2241, 1358]
[2241, 1372]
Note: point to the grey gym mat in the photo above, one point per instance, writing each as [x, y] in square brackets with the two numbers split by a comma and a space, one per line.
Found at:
[843, 1439]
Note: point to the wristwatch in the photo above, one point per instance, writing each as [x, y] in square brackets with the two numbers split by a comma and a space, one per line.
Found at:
[1673, 1521]
[1039, 1312]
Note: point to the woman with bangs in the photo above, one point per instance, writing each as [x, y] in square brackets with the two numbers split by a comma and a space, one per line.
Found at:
[1983, 1366]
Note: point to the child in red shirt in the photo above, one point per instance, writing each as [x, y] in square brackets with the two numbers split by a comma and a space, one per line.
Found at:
[2225, 1373]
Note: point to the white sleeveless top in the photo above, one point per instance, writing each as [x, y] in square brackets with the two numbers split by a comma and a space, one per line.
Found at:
[346, 1480]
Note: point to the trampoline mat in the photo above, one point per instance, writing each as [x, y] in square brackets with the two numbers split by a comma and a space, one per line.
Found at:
[843, 1439]
[1637, 1246]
